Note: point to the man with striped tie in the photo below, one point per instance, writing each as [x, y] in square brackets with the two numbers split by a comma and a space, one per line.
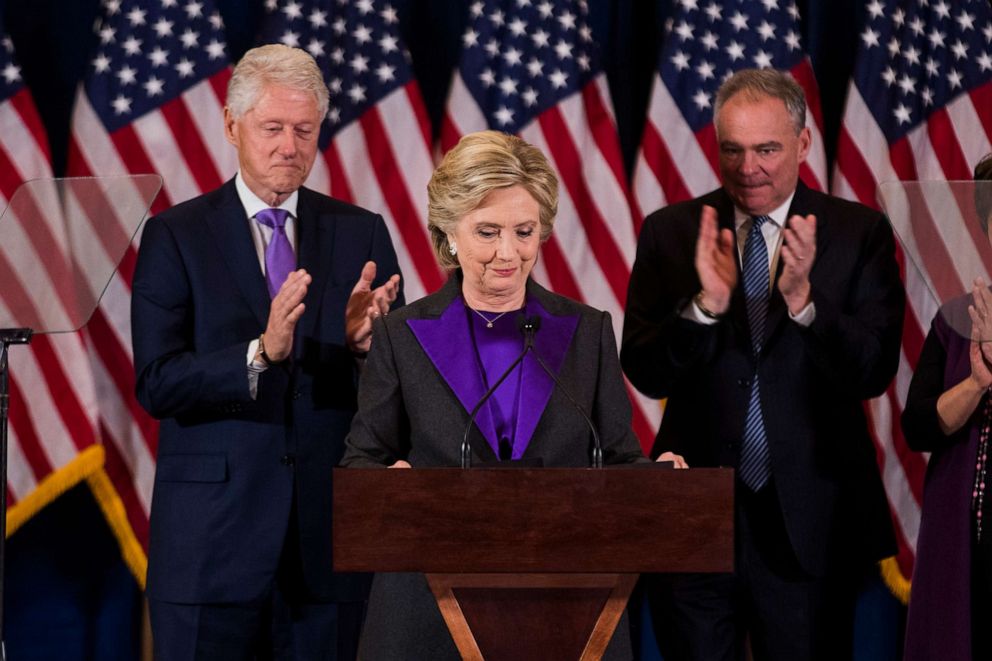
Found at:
[766, 312]
[252, 305]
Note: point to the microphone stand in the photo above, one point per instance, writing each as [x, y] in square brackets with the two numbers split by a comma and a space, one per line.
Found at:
[8, 337]
[597, 448]
[528, 328]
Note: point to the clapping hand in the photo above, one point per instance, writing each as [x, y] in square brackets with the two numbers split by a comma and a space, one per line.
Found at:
[980, 352]
[715, 263]
[798, 254]
[364, 305]
[285, 310]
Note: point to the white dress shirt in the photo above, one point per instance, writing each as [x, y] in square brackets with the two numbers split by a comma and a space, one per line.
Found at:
[260, 236]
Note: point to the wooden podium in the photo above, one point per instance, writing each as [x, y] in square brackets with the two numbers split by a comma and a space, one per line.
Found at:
[533, 563]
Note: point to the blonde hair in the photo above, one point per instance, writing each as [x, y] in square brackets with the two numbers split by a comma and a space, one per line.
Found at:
[479, 164]
[758, 83]
[274, 64]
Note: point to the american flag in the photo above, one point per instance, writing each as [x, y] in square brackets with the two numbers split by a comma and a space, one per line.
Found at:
[533, 68]
[919, 107]
[52, 426]
[376, 141]
[151, 102]
[705, 43]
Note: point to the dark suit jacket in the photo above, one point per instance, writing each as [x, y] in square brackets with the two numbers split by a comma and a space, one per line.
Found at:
[813, 380]
[409, 410]
[227, 465]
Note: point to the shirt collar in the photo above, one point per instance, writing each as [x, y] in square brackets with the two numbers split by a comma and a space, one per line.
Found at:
[778, 215]
[253, 203]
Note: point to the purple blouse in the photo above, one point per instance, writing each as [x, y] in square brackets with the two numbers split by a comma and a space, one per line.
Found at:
[469, 356]
[496, 349]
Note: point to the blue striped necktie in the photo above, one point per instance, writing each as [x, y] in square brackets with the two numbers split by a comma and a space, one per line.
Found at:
[755, 466]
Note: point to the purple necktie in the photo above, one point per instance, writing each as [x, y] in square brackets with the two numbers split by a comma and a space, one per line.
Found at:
[279, 257]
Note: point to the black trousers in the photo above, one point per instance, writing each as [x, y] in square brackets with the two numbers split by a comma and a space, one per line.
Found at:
[769, 601]
[255, 631]
[285, 624]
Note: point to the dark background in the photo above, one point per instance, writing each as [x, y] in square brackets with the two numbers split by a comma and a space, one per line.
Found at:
[68, 594]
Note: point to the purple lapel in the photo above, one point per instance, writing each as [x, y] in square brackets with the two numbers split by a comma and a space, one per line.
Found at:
[448, 345]
[447, 342]
[551, 342]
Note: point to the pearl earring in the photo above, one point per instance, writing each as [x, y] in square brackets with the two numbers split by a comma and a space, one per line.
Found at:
[452, 249]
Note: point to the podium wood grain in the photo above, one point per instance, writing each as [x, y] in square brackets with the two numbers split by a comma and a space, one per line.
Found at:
[544, 520]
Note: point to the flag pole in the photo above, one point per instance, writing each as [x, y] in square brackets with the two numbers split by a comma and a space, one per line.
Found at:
[8, 337]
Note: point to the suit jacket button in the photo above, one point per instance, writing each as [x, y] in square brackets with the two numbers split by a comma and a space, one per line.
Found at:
[287, 460]
[297, 394]
[744, 383]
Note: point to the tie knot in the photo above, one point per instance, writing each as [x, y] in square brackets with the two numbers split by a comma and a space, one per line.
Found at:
[274, 218]
[758, 221]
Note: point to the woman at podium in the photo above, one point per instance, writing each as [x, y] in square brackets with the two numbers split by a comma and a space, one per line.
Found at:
[492, 203]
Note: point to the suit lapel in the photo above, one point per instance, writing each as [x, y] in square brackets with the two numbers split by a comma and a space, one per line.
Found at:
[448, 344]
[551, 343]
[315, 253]
[229, 226]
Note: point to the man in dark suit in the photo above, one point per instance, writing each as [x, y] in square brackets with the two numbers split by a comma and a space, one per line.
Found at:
[251, 311]
[766, 312]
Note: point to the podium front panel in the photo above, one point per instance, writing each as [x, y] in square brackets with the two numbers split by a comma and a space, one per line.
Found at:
[449, 520]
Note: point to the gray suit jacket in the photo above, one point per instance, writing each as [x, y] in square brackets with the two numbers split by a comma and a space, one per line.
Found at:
[408, 410]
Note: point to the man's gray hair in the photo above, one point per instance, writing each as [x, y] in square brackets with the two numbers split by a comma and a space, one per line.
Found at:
[274, 64]
[758, 83]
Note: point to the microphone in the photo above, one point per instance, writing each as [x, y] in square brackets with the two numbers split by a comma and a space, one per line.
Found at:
[597, 450]
[528, 326]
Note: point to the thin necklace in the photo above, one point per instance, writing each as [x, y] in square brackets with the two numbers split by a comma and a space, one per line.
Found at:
[489, 322]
